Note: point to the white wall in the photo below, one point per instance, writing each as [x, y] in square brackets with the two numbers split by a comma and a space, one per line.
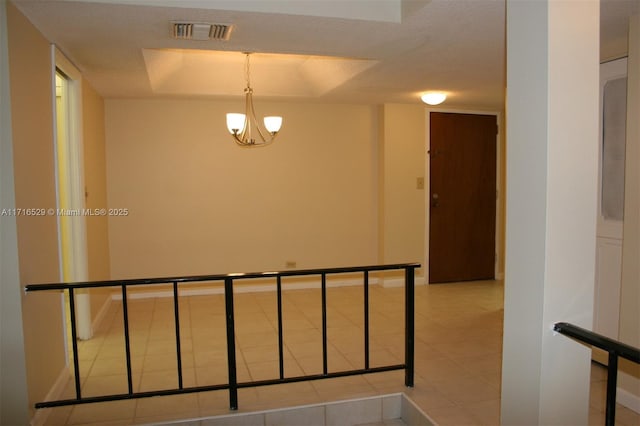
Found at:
[552, 110]
[629, 392]
[13, 379]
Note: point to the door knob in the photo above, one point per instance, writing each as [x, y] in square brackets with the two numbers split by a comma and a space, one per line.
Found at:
[435, 199]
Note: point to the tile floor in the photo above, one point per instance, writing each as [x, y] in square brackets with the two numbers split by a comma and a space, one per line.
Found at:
[457, 355]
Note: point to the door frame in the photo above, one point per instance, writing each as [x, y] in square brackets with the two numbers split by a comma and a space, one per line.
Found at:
[499, 237]
[609, 233]
[78, 270]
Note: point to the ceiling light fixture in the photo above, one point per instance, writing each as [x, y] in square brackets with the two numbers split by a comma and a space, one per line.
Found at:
[241, 126]
[434, 98]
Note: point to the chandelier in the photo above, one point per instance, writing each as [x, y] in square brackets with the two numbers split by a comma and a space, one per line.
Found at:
[245, 127]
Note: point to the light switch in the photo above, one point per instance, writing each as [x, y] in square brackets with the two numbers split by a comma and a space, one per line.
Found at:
[420, 183]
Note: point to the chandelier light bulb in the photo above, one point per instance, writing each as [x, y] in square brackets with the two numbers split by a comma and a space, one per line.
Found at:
[235, 122]
[434, 98]
[273, 124]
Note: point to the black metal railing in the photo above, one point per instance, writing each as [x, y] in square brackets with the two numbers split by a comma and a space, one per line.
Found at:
[614, 348]
[233, 385]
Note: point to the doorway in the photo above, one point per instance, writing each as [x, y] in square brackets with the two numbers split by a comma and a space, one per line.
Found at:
[70, 189]
[462, 196]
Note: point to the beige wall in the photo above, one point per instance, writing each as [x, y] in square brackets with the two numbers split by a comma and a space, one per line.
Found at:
[630, 287]
[403, 204]
[337, 188]
[31, 105]
[95, 181]
[199, 204]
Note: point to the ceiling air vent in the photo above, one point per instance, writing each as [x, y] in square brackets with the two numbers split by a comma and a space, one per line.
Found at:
[200, 31]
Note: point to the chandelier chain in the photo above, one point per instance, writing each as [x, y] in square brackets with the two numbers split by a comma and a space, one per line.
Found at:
[247, 72]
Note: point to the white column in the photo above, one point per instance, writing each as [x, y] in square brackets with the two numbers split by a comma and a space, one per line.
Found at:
[552, 143]
[13, 376]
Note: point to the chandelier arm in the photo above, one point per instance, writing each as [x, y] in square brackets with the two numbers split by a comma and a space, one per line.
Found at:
[254, 118]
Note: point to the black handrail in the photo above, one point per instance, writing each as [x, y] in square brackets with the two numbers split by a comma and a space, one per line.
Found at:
[232, 386]
[614, 348]
[217, 277]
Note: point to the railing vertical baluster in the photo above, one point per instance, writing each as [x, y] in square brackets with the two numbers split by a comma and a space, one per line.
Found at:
[74, 343]
[177, 324]
[612, 379]
[409, 303]
[366, 319]
[324, 324]
[280, 339]
[231, 344]
[127, 342]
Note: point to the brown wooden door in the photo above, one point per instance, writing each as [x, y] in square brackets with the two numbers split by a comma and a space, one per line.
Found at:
[462, 197]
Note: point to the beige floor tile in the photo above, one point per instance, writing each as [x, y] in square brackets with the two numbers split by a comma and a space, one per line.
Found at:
[109, 385]
[264, 353]
[598, 395]
[114, 366]
[211, 358]
[465, 390]
[343, 388]
[167, 407]
[164, 346]
[627, 417]
[270, 370]
[297, 393]
[166, 361]
[453, 416]
[214, 403]
[252, 339]
[490, 363]
[428, 398]
[302, 336]
[441, 369]
[207, 376]
[336, 362]
[166, 379]
[304, 349]
[485, 412]
[598, 372]
[102, 412]
[596, 417]
[57, 416]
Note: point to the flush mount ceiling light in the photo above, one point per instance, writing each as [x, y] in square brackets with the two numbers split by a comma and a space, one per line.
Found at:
[434, 98]
[242, 126]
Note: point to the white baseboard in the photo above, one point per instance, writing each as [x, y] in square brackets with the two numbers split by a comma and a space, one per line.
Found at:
[629, 400]
[248, 288]
[392, 282]
[399, 282]
[55, 393]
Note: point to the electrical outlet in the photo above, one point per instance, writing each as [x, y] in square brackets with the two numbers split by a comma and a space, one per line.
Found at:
[290, 264]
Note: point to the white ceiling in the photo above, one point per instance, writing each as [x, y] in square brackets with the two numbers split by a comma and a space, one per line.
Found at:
[364, 51]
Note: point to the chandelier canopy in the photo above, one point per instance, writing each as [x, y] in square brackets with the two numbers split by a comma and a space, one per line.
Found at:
[245, 128]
